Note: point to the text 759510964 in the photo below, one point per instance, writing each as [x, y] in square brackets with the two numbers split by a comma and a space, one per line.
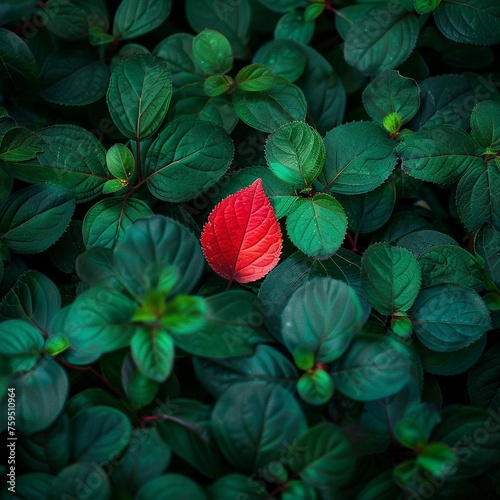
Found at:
[11, 439]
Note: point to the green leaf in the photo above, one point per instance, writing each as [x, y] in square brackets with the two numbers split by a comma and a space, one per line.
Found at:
[99, 434]
[450, 264]
[231, 22]
[329, 335]
[19, 144]
[184, 314]
[469, 21]
[6, 182]
[373, 367]
[267, 110]
[449, 317]
[295, 153]
[425, 6]
[144, 459]
[487, 246]
[135, 18]
[317, 226]
[283, 57]
[391, 278]
[48, 450]
[478, 195]
[266, 365]
[410, 433]
[313, 11]
[382, 39]
[33, 218]
[445, 100]
[359, 158]
[177, 485]
[72, 158]
[230, 486]
[73, 78]
[233, 323]
[474, 435]
[293, 26]
[483, 381]
[217, 84]
[270, 421]
[282, 5]
[177, 49]
[185, 427]
[17, 64]
[99, 322]
[66, 19]
[34, 298]
[120, 162]
[22, 343]
[140, 389]
[68, 247]
[369, 211]
[255, 78]
[150, 246]
[327, 457]
[191, 102]
[391, 93]
[12, 10]
[324, 91]
[139, 95]
[439, 154]
[186, 159]
[485, 124]
[436, 458]
[315, 387]
[153, 352]
[80, 476]
[419, 241]
[41, 395]
[212, 52]
[108, 220]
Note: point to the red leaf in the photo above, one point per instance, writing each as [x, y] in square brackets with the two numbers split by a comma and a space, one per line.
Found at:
[242, 238]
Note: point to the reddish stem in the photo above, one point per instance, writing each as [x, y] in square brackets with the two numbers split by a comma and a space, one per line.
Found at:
[352, 242]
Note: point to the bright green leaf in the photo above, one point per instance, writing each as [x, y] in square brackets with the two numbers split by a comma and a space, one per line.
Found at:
[212, 52]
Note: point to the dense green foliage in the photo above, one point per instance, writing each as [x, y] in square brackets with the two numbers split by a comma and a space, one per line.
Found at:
[366, 364]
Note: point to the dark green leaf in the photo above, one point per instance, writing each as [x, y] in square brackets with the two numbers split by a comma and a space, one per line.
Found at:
[187, 158]
[445, 100]
[268, 110]
[34, 298]
[19, 144]
[327, 457]
[359, 158]
[230, 20]
[66, 19]
[369, 211]
[293, 26]
[230, 486]
[186, 429]
[266, 365]
[487, 246]
[469, 21]
[419, 241]
[153, 352]
[324, 92]
[72, 158]
[485, 124]
[137, 17]
[139, 95]
[373, 368]
[483, 381]
[391, 278]
[33, 218]
[86, 478]
[450, 264]
[317, 226]
[66, 250]
[439, 154]
[283, 57]
[108, 220]
[17, 63]
[330, 333]
[100, 433]
[282, 5]
[295, 153]
[269, 423]
[449, 317]
[177, 486]
[41, 395]
[140, 389]
[233, 323]
[391, 93]
[382, 39]
[144, 459]
[212, 52]
[478, 195]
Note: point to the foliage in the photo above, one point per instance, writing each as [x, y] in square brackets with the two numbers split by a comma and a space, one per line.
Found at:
[250, 249]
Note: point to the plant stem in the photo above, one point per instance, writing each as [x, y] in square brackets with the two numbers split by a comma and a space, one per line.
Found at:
[138, 158]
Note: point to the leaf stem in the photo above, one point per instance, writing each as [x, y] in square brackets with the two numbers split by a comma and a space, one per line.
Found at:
[229, 284]
[138, 158]
[352, 242]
